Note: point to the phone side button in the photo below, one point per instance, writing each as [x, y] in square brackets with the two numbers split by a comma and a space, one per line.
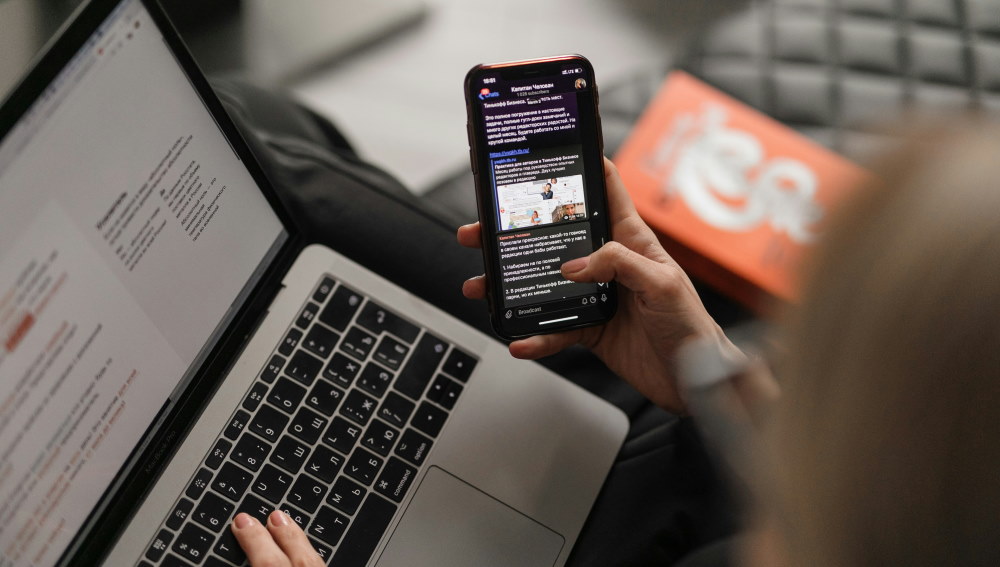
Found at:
[472, 160]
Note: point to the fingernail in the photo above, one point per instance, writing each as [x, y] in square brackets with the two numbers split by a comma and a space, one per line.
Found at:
[242, 520]
[575, 265]
[279, 518]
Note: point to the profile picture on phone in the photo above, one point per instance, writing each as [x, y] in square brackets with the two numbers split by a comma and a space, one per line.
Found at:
[581, 83]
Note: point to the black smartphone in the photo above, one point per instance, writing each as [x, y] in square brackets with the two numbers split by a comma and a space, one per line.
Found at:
[537, 155]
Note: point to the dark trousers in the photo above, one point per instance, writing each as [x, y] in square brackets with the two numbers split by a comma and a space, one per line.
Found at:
[663, 498]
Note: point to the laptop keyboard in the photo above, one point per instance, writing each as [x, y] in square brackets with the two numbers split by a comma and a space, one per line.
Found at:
[333, 431]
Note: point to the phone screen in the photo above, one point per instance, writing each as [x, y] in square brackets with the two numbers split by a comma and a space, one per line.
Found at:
[537, 153]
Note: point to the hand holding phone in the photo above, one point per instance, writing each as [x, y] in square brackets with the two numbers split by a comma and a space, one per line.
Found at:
[536, 150]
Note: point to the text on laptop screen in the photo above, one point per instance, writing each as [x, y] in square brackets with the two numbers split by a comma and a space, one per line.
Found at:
[128, 228]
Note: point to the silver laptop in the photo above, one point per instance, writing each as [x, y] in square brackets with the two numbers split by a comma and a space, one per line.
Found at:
[172, 353]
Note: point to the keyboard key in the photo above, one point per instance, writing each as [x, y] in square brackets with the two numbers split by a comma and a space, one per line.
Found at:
[324, 289]
[286, 395]
[219, 452]
[307, 425]
[365, 533]
[250, 452]
[214, 561]
[290, 341]
[159, 546]
[307, 315]
[325, 397]
[255, 507]
[395, 479]
[297, 516]
[229, 549]
[307, 493]
[429, 419]
[390, 352]
[236, 425]
[198, 484]
[358, 407]
[268, 423]
[377, 319]
[329, 526]
[213, 512]
[341, 370]
[444, 391]
[304, 367]
[342, 435]
[421, 367]
[346, 495]
[375, 380]
[193, 543]
[255, 396]
[325, 464]
[363, 466]
[396, 409]
[272, 484]
[232, 482]
[273, 368]
[289, 454]
[320, 341]
[343, 305]
[379, 437]
[459, 364]
[357, 343]
[180, 513]
[323, 551]
[413, 447]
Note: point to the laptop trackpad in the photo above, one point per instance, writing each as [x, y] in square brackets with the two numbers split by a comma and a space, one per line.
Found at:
[450, 522]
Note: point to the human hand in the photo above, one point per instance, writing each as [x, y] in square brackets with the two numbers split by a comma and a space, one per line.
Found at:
[281, 543]
[658, 307]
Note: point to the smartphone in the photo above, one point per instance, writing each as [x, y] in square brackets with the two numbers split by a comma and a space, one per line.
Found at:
[537, 155]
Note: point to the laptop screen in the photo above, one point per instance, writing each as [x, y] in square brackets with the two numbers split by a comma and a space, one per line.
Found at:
[129, 232]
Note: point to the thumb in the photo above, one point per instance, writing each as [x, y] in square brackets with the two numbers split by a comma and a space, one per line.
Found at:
[649, 279]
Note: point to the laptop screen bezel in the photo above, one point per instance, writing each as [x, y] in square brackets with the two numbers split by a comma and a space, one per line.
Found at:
[144, 464]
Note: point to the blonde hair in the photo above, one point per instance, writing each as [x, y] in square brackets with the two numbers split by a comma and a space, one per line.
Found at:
[885, 447]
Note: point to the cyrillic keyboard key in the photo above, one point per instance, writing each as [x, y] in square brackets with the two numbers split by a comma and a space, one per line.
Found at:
[255, 507]
[346, 495]
[379, 437]
[365, 533]
[375, 380]
[358, 407]
[395, 479]
[325, 397]
[342, 435]
[341, 370]
[378, 319]
[229, 549]
[429, 419]
[341, 308]
[289, 454]
[329, 526]
[268, 423]
[306, 493]
[320, 341]
[363, 466]
[307, 425]
[325, 464]
[172, 560]
[272, 484]
[323, 551]
[250, 452]
[298, 517]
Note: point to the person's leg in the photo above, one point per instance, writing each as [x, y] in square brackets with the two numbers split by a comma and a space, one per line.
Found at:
[662, 498]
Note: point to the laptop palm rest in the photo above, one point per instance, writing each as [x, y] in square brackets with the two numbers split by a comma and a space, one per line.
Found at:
[450, 522]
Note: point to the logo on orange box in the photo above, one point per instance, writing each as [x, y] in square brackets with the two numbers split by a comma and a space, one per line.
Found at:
[742, 191]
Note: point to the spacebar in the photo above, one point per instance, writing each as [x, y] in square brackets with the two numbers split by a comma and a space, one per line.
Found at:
[364, 533]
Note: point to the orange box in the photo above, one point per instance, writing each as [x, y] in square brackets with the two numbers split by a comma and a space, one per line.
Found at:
[736, 197]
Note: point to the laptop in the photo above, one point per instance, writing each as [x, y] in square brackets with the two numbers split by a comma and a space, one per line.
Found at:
[172, 353]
